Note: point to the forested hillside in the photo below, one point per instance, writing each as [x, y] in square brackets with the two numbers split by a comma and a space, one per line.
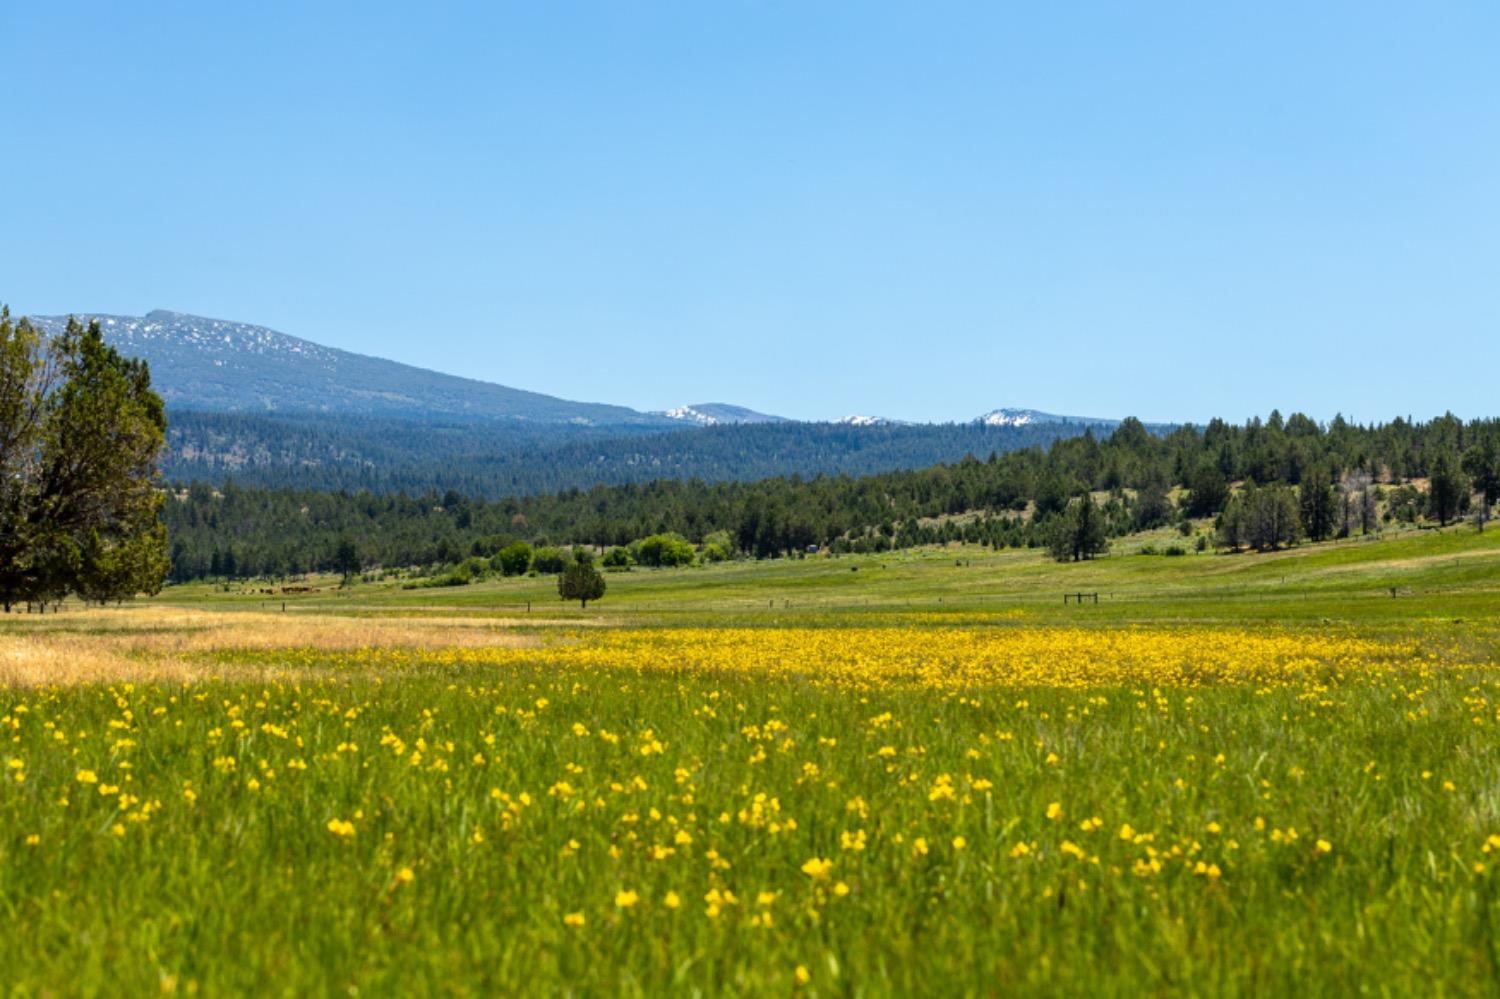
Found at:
[505, 458]
[223, 366]
[1333, 471]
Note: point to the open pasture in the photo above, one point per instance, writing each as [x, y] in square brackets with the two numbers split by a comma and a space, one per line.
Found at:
[1232, 775]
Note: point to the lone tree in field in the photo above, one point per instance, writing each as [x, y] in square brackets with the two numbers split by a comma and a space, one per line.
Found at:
[80, 434]
[582, 582]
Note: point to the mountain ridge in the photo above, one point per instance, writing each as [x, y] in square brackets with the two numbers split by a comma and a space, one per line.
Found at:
[712, 414]
[221, 365]
[218, 365]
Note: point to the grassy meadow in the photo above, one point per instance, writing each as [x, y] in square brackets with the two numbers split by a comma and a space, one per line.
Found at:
[916, 773]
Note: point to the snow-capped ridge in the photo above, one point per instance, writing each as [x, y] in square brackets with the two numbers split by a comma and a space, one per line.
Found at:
[712, 414]
[1009, 416]
[690, 415]
[214, 365]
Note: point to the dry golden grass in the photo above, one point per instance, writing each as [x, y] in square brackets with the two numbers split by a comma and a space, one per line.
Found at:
[161, 643]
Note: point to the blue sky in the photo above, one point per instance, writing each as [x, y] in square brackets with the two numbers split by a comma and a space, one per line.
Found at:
[916, 210]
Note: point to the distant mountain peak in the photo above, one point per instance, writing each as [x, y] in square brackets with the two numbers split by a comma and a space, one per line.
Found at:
[1008, 416]
[215, 365]
[711, 414]
[856, 420]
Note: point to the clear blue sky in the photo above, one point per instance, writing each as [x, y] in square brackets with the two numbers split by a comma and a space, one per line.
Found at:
[916, 210]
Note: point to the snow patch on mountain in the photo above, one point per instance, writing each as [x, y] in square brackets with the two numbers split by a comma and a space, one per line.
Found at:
[712, 414]
[1006, 417]
[214, 338]
[690, 415]
[1011, 417]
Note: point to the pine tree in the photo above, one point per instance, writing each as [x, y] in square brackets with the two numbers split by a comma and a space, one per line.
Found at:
[1229, 526]
[1078, 532]
[1208, 491]
[1482, 463]
[1446, 487]
[1318, 507]
[1152, 508]
[346, 560]
[1368, 508]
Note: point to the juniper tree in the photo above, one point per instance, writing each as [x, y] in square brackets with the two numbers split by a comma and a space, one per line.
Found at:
[1271, 518]
[582, 582]
[80, 435]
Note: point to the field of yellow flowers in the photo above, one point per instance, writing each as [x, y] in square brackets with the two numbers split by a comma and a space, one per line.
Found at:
[927, 807]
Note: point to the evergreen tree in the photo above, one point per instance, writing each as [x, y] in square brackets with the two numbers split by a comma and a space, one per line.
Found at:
[80, 434]
[1078, 532]
[1353, 488]
[115, 570]
[1482, 463]
[1368, 509]
[1446, 487]
[582, 582]
[1229, 526]
[1271, 518]
[1208, 490]
[346, 560]
[1152, 508]
[1318, 505]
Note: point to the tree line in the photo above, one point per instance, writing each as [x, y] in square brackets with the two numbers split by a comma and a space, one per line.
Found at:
[1267, 482]
[497, 458]
[80, 434]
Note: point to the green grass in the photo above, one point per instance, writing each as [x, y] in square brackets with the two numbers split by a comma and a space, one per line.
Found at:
[1437, 575]
[241, 885]
[247, 889]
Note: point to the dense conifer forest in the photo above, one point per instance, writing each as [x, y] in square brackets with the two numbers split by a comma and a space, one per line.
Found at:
[498, 458]
[1331, 479]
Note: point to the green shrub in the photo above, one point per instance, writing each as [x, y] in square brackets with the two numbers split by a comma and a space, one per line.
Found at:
[550, 560]
[514, 559]
[617, 559]
[664, 550]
